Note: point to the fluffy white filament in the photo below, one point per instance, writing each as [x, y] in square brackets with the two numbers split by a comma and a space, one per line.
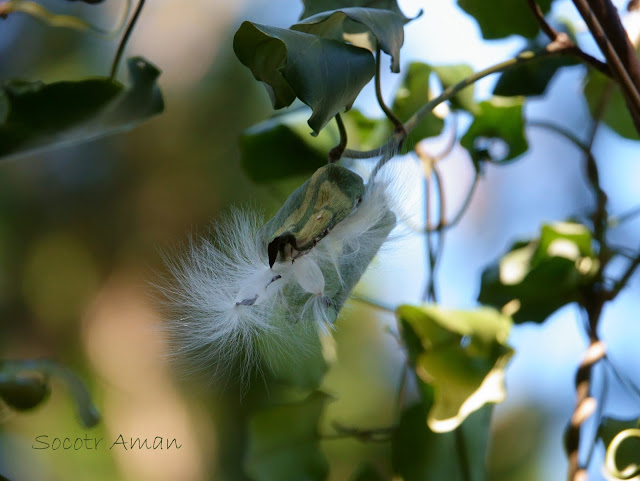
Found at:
[228, 306]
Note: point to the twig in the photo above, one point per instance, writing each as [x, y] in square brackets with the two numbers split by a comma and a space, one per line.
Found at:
[395, 141]
[624, 217]
[336, 152]
[602, 20]
[602, 399]
[562, 40]
[125, 38]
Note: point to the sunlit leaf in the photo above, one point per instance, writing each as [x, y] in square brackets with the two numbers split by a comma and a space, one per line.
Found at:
[23, 393]
[283, 442]
[462, 355]
[537, 277]
[497, 131]
[452, 74]
[418, 453]
[325, 74]
[501, 18]
[34, 115]
[412, 94]
[363, 27]
[600, 91]
[281, 147]
[626, 457]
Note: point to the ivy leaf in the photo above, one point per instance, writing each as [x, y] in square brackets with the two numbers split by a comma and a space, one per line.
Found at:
[497, 131]
[616, 114]
[268, 147]
[418, 453]
[539, 276]
[382, 27]
[462, 355]
[501, 18]
[311, 7]
[23, 393]
[452, 74]
[34, 115]
[325, 74]
[627, 456]
[283, 442]
[412, 94]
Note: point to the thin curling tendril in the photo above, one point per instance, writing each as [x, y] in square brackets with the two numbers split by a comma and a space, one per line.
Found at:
[63, 21]
[629, 472]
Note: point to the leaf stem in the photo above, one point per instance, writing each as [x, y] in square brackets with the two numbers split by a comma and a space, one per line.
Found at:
[397, 123]
[463, 455]
[125, 38]
[336, 152]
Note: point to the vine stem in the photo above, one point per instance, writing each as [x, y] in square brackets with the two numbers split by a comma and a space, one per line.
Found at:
[125, 39]
[394, 143]
[336, 152]
[397, 123]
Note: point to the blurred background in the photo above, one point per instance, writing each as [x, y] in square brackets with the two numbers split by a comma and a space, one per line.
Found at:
[82, 231]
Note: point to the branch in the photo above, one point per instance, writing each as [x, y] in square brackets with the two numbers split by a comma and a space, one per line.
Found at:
[606, 28]
[393, 144]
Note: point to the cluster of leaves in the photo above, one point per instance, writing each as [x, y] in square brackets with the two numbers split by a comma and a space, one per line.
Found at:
[457, 357]
[38, 116]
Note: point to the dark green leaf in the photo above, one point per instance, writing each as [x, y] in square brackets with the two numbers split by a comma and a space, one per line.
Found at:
[598, 89]
[283, 442]
[367, 472]
[281, 147]
[540, 276]
[325, 74]
[23, 393]
[412, 94]
[34, 115]
[501, 18]
[627, 456]
[383, 27]
[532, 78]
[497, 131]
[311, 7]
[452, 74]
[463, 356]
[419, 454]
[2, 478]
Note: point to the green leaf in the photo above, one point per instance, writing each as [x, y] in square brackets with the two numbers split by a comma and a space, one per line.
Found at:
[367, 472]
[537, 277]
[311, 7]
[283, 442]
[497, 121]
[463, 356]
[531, 78]
[325, 74]
[627, 455]
[452, 74]
[599, 88]
[418, 453]
[501, 18]
[23, 393]
[412, 94]
[34, 115]
[281, 147]
[381, 27]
